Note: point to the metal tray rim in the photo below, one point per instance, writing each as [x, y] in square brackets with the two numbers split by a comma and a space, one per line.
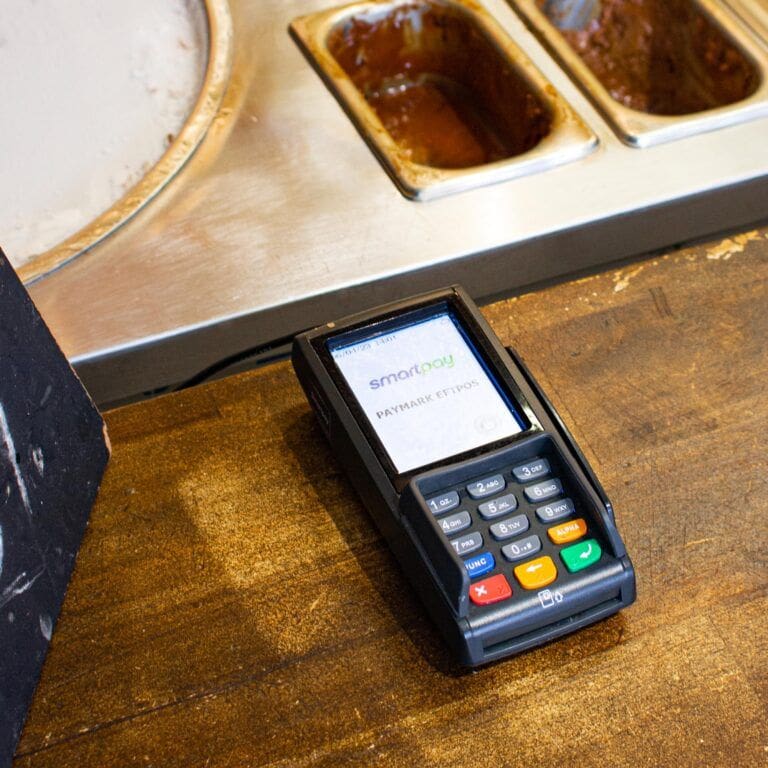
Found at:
[215, 81]
[754, 15]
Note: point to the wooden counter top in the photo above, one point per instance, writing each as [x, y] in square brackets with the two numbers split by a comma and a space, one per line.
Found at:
[234, 605]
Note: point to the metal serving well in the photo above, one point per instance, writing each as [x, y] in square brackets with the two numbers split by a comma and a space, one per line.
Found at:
[441, 94]
[643, 128]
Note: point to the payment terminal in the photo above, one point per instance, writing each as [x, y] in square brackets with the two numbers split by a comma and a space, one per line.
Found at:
[471, 476]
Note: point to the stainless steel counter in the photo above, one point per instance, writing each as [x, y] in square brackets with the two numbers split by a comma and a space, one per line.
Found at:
[284, 217]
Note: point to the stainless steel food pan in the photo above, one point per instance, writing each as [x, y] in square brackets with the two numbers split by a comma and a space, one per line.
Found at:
[641, 129]
[568, 137]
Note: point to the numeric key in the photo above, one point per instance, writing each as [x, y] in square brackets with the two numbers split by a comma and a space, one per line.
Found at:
[455, 523]
[445, 502]
[555, 511]
[519, 550]
[498, 507]
[480, 489]
[506, 529]
[531, 470]
[466, 544]
[542, 491]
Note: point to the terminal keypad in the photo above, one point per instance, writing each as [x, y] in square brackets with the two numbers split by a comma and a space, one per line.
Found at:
[518, 529]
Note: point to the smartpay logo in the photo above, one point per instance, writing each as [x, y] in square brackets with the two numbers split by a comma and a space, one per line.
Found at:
[417, 369]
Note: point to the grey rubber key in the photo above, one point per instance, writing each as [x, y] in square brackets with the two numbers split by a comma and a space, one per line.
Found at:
[544, 490]
[519, 550]
[466, 544]
[498, 507]
[506, 529]
[455, 523]
[555, 510]
[486, 487]
[445, 502]
[531, 470]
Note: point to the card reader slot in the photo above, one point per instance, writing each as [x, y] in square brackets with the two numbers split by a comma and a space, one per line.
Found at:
[552, 631]
[564, 431]
[586, 497]
[608, 527]
[447, 566]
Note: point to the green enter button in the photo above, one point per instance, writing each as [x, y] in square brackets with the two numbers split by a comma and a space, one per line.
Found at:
[581, 555]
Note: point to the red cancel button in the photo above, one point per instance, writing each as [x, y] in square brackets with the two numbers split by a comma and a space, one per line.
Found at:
[491, 590]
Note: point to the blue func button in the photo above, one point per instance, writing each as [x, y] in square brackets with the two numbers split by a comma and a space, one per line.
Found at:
[479, 565]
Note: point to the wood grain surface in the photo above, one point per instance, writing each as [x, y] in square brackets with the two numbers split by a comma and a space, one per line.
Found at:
[233, 604]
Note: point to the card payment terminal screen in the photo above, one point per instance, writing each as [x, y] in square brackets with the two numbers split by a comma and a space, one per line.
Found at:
[425, 391]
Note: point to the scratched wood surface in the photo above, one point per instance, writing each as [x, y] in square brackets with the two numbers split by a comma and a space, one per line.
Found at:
[233, 604]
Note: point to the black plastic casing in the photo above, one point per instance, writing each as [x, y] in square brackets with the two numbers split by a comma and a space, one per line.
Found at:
[396, 501]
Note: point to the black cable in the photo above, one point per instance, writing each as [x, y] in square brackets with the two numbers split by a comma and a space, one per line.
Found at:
[238, 357]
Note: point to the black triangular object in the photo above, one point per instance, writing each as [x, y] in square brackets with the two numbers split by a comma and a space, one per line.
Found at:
[53, 451]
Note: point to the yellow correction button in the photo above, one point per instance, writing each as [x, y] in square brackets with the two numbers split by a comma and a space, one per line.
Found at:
[536, 573]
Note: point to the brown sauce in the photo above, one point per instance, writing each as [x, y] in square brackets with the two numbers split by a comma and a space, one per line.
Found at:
[438, 123]
[439, 86]
[663, 57]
